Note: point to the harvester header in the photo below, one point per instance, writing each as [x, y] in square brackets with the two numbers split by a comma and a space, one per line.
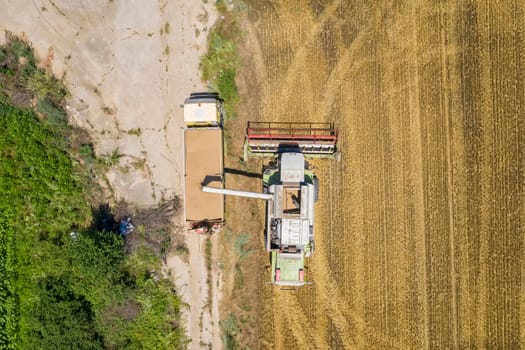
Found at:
[269, 138]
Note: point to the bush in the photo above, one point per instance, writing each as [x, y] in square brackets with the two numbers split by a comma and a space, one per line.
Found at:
[65, 278]
[219, 65]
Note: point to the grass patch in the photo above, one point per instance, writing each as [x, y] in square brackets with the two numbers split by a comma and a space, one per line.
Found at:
[22, 81]
[240, 246]
[230, 331]
[220, 68]
[136, 132]
[219, 65]
[208, 253]
[43, 85]
[109, 160]
[182, 249]
[238, 278]
[179, 245]
[139, 164]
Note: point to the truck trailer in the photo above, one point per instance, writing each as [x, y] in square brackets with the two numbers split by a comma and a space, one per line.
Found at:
[203, 162]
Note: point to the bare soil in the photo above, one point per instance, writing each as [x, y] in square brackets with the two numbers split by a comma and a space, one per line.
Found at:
[419, 228]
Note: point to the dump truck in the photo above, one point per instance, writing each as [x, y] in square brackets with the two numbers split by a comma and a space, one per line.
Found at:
[290, 189]
[203, 161]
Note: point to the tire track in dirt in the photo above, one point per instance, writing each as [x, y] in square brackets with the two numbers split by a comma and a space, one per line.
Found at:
[500, 142]
[470, 230]
[299, 323]
[436, 193]
[419, 296]
[299, 56]
[345, 321]
[486, 94]
[445, 105]
[345, 66]
[301, 42]
[332, 302]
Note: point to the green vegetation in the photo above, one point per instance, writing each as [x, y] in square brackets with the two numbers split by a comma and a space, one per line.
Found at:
[208, 254]
[241, 251]
[67, 279]
[136, 132]
[240, 246]
[219, 65]
[230, 330]
[107, 161]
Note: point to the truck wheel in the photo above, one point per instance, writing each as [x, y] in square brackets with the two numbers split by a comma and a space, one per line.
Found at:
[196, 95]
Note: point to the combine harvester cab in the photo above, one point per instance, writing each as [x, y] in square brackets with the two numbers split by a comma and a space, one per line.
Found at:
[203, 161]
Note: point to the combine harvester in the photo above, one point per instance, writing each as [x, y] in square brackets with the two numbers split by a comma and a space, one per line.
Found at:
[289, 187]
[295, 189]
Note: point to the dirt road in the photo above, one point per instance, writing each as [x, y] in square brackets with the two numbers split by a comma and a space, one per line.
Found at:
[419, 229]
[128, 66]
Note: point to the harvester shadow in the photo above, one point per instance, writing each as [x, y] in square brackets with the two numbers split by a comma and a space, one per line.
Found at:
[242, 173]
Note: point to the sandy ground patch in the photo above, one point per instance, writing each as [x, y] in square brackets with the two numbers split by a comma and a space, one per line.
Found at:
[192, 279]
[128, 66]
